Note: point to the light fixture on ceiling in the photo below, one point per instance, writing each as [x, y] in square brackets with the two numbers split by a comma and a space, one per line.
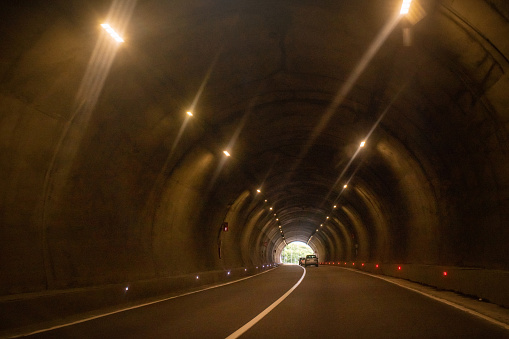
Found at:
[405, 7]
[112, 32]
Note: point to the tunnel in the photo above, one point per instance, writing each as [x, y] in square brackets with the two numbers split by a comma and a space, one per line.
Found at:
[218, 132]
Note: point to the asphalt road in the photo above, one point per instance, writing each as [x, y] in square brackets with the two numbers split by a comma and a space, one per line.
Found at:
[329, 303]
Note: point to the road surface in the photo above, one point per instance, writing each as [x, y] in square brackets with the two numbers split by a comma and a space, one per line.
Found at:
[329, 302]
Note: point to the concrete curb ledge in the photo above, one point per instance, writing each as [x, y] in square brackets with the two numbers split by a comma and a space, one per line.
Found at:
[489, 285]
[47, 308]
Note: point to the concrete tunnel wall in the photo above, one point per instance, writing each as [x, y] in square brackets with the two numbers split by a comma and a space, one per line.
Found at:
[101, 183]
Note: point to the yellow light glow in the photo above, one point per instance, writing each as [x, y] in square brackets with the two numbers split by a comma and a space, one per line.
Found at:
[334, 206]
[363, 144]
[327, 217]
[112, 32]
[226, 153]
[259, 190]
[190, 114]
[345, 186]
[270, 208]
[405, 7]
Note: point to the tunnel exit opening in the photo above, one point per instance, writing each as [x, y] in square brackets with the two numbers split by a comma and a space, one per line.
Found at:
[295, 250]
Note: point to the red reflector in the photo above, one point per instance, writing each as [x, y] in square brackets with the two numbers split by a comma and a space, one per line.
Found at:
[333, 263]
[376, 266]
[345, 263]
[362, 264]
[399, 267]
[353, 264]
[445, 273]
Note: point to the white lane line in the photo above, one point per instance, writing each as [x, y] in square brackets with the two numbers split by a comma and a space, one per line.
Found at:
[445, 301]
[259, 317]
[135, 306]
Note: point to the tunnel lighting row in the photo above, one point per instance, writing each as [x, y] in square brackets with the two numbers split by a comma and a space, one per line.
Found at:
[259, 191]
[226, 152]
[405, 8]
[345, 186]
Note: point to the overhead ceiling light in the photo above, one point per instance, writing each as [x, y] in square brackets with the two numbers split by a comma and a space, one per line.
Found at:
[189, 113]
[327, 217]
[226, 153]
[345, 186]
[405, 6]
[270, 208]
[334, 206]
[363, 144]
[112, 32]
[259, 190]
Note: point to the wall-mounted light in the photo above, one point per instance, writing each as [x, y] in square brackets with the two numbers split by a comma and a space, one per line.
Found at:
[189, 113]
[345, 186]
[259, 190]
[363, 143]
[226, 153]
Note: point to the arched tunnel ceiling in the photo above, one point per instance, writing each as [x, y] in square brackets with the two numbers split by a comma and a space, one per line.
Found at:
[290, 89]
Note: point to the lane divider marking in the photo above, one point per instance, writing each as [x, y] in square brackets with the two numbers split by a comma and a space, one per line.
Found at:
[445, 301]
[259, 317]
[135, 306]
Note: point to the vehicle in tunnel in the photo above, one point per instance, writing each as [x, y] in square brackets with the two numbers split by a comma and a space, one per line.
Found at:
[311, 259]
[302, 261]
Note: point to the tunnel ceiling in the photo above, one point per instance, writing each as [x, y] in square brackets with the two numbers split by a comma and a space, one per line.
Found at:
[290, 89]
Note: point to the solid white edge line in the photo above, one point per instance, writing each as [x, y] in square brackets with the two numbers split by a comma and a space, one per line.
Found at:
[444, 301]
[256, 319]
[135, 306]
